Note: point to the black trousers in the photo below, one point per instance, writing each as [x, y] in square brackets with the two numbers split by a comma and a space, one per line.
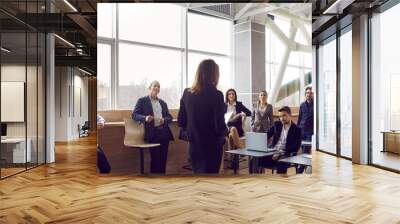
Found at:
[306, 137]
[158, 155]
[205, 158]
[268, 162]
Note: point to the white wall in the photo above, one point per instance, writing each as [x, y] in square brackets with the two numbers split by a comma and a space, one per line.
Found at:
[69, 82]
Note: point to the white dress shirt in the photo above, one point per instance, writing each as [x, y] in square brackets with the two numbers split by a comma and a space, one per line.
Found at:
[231, 108]
[157, 110]
[280, 146]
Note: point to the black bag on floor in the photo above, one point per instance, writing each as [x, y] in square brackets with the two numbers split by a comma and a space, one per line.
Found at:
[102, 163]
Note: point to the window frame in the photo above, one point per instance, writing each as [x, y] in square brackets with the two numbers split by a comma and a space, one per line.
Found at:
[115, 41]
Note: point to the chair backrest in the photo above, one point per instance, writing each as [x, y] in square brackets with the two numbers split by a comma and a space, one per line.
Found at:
[134, 133]
[246, 124]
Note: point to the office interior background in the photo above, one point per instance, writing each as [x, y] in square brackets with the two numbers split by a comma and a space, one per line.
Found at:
[53, 82]
[39, 108]
[139, 43]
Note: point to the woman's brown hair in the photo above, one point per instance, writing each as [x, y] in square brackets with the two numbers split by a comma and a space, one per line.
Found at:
[262, 91]
[227, 95]
[207, 75]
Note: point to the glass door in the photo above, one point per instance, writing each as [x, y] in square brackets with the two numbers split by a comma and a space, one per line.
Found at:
[327, 96]
[346, 93]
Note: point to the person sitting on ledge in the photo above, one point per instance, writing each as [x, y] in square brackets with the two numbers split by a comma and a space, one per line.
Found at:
[285, 137]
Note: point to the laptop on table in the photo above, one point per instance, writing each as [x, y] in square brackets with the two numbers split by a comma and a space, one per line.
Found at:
[257, 142]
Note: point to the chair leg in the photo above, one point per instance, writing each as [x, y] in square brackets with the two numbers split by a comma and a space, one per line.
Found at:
[141, 160]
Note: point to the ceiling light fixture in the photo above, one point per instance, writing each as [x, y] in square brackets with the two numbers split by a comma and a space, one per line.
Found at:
[64, 40]
[5, 50]
[70, 5]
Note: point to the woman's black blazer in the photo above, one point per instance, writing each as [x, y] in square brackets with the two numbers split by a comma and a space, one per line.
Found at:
[202, 115]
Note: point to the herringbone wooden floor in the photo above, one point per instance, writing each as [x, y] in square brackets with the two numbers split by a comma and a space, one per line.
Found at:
[71, 191]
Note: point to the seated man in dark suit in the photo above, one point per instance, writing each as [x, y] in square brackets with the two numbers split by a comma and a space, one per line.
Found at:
[285, 137]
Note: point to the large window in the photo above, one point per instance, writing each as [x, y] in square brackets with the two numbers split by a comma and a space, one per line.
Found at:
[150, 23]
[210, 34]
[210, 38]
[327, 97]
[107, 20]
[298, 69]
[140, 65]
[104, 76]
[385, 88]
[346, 94]
[151, 45]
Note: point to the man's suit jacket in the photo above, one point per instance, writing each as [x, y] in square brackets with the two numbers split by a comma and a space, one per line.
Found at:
[144, 108]
[293, 139]
[202, 115]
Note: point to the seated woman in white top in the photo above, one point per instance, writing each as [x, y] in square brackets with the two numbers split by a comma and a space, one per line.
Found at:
[238, 111]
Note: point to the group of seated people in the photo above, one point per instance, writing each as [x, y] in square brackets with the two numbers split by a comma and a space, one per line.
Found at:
[202, 119]
[284, 136]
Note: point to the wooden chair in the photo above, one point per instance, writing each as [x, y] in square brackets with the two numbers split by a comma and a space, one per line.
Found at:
[134, 138]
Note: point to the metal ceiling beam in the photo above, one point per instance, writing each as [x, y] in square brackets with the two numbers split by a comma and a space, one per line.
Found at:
[256, 11]
[243, 10]
[87, 27]
[84, 24]
[82, 61]
[305, 33]
[338, 6]
[283, 13]
[282, 67]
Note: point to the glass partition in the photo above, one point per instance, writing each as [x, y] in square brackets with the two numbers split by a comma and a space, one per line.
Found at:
[327, 97]
[13, 95]
[23, 90]
[385, 89]
[346, 94]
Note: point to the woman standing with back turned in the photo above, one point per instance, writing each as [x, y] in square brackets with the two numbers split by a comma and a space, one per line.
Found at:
[202, 114]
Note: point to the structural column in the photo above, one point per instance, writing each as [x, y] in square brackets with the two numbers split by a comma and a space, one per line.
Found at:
[249, 61]
[314, 87]
[360, 90]
[50, 99]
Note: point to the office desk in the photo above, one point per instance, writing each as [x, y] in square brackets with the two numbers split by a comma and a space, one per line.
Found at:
[253, 158]
[17, 153]
[303, 159]
[391, 141]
